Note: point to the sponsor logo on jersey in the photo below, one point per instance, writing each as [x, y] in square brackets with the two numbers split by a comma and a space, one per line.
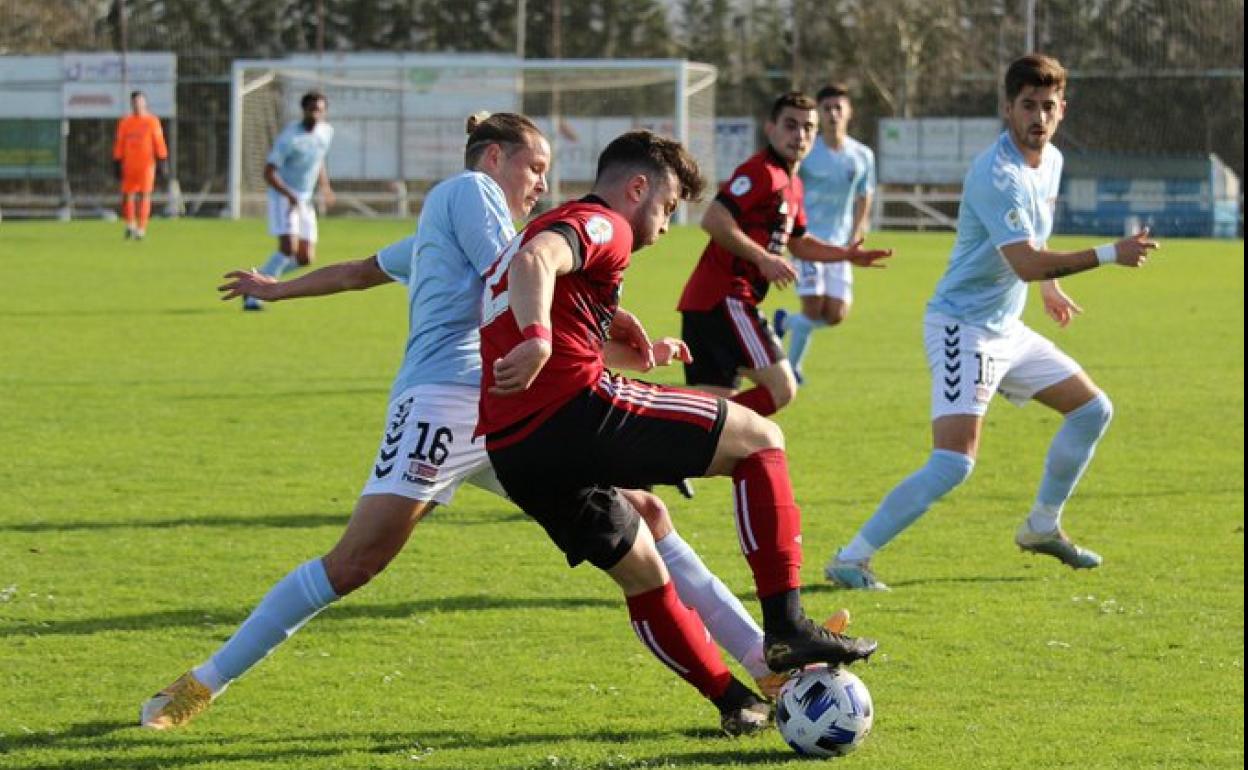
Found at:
[740, 186]
[599, 229]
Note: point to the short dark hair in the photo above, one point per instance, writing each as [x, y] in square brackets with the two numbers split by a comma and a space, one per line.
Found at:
[509, 130]
[832, 91]
[135, 94]
[795, 99]
[1034, 69]
[311, 98]
[647, 151]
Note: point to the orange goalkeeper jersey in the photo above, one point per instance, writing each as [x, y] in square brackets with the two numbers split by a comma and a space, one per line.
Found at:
[140, 143]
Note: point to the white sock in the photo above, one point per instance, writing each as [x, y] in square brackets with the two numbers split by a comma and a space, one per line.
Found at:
[721, 611]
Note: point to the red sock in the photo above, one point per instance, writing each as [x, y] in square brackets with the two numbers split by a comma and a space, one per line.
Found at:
[769, 523]
[675, 635]
[127, 209]
[757, 398]
[145, 211]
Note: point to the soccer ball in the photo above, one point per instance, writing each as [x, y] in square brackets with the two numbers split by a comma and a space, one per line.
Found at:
[824, 712]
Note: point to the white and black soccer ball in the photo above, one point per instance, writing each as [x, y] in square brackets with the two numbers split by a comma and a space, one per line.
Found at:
[824, 712]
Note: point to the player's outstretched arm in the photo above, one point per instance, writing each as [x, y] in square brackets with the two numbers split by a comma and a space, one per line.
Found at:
[1041, 264]
[331, 279]
[812, 249]
[530, 291]
[720, 224]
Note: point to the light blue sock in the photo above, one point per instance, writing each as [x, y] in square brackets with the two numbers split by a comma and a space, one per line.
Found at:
[291, 266]
[1068, 458]
[276, 265]
[292, 602]
[732, 627]
[800, 328]
[911, 498]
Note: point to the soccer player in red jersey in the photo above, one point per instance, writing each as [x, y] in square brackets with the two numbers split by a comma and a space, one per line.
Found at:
[138, 152]
[565, 435]
[756, 215]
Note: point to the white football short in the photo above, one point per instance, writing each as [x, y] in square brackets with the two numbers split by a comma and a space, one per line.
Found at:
[427, 449]
[298, 220]
[825, 279]
[970, 363]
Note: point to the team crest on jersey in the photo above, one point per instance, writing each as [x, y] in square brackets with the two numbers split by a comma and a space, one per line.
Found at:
[740, 186]
[1014, 219]
[599, 229]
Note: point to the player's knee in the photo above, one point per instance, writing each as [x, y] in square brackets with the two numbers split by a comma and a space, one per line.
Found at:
[950, 469]
[350, 572]
[762, 434]
[1098, 412]
[784, 391]
[654, 512]
[835, 313]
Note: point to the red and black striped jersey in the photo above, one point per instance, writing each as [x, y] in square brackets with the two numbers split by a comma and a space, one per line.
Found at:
[582, 308]
[765, 198]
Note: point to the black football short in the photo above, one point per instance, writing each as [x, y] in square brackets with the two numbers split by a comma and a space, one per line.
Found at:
[618, 433]
[726, 339]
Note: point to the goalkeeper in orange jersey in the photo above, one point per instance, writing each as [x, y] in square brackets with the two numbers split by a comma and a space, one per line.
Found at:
[139, 153]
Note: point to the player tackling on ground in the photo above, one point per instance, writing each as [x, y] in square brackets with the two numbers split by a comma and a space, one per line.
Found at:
[139, 154]
[565, 435]
[294, 169]
[977, 345]
[839, 180]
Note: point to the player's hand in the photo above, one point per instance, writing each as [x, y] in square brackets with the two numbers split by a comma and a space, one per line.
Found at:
[249, 283]
[627, 328]
[515, 372]
[1133, 251]
[866, 257]
[670, 349]
[777, 270]
[1059, 306]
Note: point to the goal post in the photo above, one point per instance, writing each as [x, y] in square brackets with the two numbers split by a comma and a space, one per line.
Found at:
[399, 118]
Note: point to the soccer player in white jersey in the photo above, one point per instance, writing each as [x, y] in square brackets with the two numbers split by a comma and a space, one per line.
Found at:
[977, 345]
[839, 177]
[427, 450]
[294, 169]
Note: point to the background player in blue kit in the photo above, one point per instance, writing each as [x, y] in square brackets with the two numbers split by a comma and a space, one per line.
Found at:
[839, 180]
[295, 167]
[977, 344]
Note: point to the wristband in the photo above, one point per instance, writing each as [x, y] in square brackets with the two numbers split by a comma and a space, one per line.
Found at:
[535, 331]
[1106, 253]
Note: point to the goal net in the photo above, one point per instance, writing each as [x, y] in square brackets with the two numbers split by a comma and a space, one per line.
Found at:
[399, 118]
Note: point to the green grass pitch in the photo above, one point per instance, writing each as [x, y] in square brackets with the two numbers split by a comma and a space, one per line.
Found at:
[165, 458]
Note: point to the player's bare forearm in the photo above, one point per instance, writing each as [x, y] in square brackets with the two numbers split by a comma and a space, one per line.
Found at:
[275, 181]
[331, 279]
[812, 249]
[862, 211]
[1040, 264]
[719, 223]
[618, 354]
[531, 278]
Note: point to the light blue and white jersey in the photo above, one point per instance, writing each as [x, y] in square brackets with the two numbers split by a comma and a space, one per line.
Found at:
[298, 154]
[464, 226]
[834, 180]
[1004, 201]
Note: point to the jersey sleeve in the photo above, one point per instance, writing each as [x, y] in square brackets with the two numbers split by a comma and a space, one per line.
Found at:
[597, 241]
[395, 260]
[750, 185]
[158, 140]
[866, 185]
[1000, 203]
[481, 222]
[281, 146]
